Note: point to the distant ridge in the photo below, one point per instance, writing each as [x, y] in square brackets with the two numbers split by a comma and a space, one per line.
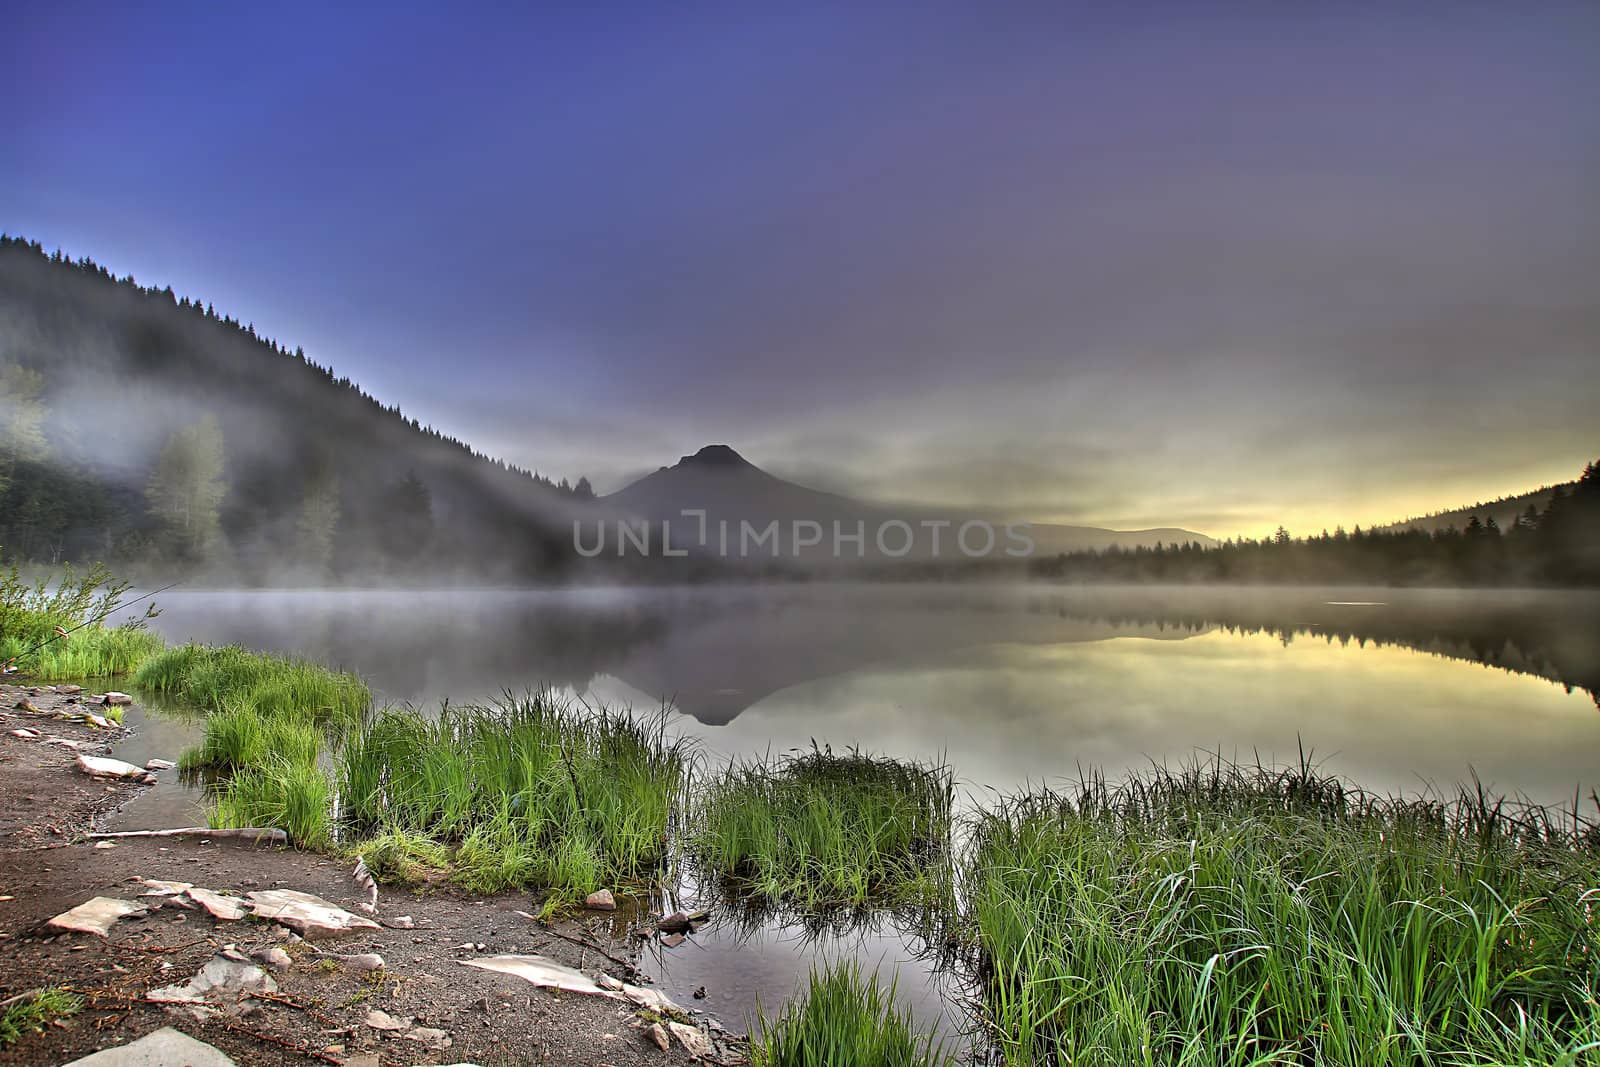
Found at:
[729, 488]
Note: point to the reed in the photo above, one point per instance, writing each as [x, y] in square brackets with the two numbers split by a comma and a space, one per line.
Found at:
[820, 830]
[1232, 915]
[294, 797]
[843, 1018]
[215, 679]
[528, 791]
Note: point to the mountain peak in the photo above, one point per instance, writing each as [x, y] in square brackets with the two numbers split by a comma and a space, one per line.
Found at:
[715, 456]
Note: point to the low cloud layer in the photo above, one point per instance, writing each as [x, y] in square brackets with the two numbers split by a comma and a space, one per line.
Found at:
[1219, 270]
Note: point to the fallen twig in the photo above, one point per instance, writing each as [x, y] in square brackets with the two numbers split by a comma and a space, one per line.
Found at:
[583, 943]
[281, 1042]
[290, 1002]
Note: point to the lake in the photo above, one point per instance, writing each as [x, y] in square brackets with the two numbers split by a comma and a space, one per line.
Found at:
[1012, 685]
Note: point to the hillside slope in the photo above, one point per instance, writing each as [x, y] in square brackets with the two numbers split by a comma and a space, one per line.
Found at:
[146, 428]
[1505, 511]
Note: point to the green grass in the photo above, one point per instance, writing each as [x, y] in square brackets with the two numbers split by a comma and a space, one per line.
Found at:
[30, 615]
[32, 1014]
[529, 791]
[216, 679]
[295, 797]
[843, 1019]
[820, 830]
[399, 857]
[1226, 915]
[241, 737]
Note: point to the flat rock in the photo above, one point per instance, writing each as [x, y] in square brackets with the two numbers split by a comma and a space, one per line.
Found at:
[273, 958]
[309, 916]
[382, 1020]
[364, 961]
[105, 767]
[159, 765]
[428, 1037]
[115, 698]
[96, 916]
[548, 974]
[681, 922]
[162, 1048]
[155, 887]
[691, 1037]
[221, 907]
[221, 979]
[70, 690]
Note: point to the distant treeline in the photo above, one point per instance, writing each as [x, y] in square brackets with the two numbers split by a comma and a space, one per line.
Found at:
[143, 427]
[1559, 545]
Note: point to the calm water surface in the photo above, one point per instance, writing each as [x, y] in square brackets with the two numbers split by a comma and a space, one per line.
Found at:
[1399, 690]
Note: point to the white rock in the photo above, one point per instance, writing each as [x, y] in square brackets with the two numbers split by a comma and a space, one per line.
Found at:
[26, 734]
[382, 1020]
[309, 916]
[96, 916]
[221, 907]
[114, 697]
[273, 958]
[105, 767]
[221, 979]
[365, 961]
[159, 765]
[162, 1048]
[155, 887]
[693, 1040]
[548, 974]
[430, 1038]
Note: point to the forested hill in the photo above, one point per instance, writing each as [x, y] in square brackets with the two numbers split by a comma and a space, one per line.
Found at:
[142, 427]
[1505, 511]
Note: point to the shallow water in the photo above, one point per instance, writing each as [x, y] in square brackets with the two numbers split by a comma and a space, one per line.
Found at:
[1398, 690]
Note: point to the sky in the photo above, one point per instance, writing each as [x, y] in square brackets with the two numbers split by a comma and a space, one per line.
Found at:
[1204, 265]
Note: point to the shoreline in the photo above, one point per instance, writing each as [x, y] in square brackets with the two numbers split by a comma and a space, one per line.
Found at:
[320, 1014]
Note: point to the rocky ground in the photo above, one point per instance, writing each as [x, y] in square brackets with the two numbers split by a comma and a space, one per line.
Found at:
[322, 1001]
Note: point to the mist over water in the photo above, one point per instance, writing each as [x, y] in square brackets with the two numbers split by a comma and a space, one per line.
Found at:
[1396, 689]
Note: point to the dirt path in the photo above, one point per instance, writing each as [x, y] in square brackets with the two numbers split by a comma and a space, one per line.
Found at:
[320, 1013]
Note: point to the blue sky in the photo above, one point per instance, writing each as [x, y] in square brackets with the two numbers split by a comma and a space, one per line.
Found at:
[1207, 265]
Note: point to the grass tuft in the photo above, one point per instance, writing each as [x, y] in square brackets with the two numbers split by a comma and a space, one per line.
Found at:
[294, 797]
[32, 1013]
[1223, 915]
[820, 830]
[843, 1019]
[400, 857]
[529, 791]
[216, 679]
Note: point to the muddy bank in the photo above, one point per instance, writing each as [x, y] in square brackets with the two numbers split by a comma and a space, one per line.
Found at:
[422, 1006]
